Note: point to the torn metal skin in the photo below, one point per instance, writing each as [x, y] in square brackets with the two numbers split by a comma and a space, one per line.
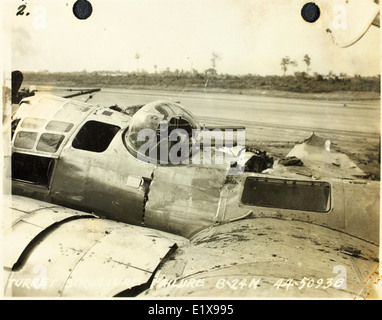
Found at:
[87, 208]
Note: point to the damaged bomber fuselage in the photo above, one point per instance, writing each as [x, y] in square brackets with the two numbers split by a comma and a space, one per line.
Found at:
[303, 220]
[85, 157]
[82, 156]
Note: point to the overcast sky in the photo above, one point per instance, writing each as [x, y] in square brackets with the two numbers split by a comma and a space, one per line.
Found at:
[250, 36]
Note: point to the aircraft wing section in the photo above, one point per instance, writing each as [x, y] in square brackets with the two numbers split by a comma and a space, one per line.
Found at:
[268, 257]
[29, 223]
[80, 255]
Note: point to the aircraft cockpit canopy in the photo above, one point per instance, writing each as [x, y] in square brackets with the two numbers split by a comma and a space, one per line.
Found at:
[157, 121]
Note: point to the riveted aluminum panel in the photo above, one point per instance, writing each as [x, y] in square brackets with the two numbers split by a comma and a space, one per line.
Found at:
[16, 240]
[28, 224]
[183, 200]
[125, 258]
[355, 208]
[248, 258]
[90, 257]
[25, 204]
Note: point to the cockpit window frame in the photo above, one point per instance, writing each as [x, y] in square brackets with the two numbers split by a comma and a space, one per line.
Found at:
[91, 144]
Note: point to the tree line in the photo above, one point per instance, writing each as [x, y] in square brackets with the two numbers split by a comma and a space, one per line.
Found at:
[298, 82]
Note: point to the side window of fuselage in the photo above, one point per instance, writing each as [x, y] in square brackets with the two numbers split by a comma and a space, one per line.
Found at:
[32, 169]
[95, 136]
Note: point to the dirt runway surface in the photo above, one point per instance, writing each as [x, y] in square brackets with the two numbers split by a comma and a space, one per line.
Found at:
[272, 124]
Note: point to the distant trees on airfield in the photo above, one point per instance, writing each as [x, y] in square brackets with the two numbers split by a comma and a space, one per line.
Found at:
[290, 80]
[299, 81]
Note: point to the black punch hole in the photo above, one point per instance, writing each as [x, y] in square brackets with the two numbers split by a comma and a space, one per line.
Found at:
[82, 9]
[310, 12]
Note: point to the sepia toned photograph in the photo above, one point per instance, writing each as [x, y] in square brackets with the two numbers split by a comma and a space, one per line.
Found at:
[186, 149]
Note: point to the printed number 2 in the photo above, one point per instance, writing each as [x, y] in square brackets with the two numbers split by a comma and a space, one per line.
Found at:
[21, 10]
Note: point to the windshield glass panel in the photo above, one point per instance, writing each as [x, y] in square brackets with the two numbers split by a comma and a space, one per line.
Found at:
[25, 139]
[32, 123]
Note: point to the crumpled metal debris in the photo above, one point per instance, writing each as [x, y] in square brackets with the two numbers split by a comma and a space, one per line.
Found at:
[291, 161]
[258, 162]
[321, 161]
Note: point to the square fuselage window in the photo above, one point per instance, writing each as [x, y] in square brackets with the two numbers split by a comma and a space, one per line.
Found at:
[31, 168]
[312, 196]
[95, 136]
